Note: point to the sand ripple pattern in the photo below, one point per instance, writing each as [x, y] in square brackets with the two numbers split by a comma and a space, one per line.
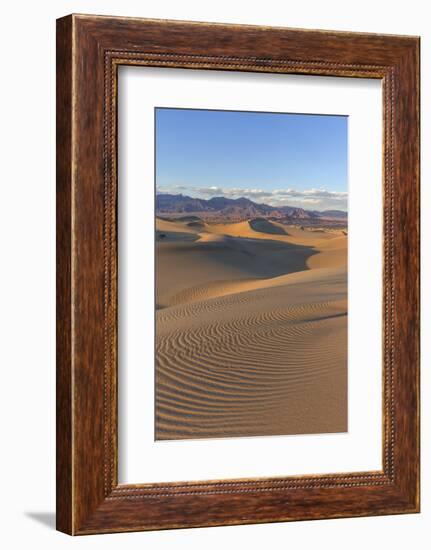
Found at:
[266, 361]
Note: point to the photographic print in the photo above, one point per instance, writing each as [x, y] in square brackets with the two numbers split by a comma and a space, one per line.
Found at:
[251, 241]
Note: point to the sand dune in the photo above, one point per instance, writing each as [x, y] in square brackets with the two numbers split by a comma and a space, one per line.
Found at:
[251, 334]
[215, 258]
[172, 227]
[170, 231]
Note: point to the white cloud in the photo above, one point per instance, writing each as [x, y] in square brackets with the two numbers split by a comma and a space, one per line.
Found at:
[315, 198]
[232, 192]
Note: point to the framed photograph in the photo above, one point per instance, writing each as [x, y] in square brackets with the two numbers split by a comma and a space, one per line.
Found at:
[237, 274]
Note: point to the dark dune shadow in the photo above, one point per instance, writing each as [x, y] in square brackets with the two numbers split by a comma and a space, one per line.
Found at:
[252, 257]
[171, 236]
[265, 226]
[196, 224]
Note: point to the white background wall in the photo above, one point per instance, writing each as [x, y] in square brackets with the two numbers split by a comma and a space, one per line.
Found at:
[27, 241]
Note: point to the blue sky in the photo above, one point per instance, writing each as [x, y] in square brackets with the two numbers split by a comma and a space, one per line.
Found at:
[273, 158]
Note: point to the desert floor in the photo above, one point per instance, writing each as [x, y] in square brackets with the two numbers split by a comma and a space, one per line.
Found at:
[251, 329]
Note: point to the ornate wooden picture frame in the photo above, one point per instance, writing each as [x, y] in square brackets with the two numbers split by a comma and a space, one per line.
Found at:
[89, 51]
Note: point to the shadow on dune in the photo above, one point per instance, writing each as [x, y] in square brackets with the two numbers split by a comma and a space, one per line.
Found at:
[175, 236]
[264, 226]
[235, 256]
[196, 224]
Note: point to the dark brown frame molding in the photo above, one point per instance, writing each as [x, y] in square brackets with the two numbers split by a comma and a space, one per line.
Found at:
[89, 51]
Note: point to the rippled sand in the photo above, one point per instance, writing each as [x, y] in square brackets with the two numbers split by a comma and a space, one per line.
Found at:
[251, 330]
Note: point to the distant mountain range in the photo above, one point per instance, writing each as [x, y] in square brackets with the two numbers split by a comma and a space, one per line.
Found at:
[237, 208]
